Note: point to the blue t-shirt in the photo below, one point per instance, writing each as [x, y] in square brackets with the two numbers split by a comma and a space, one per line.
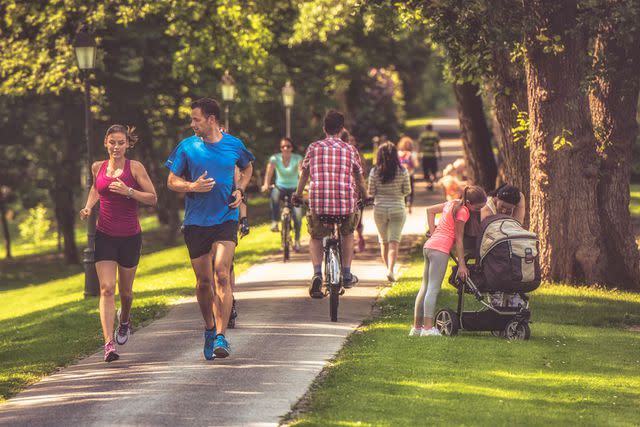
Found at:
[191, 158]
[286, 176]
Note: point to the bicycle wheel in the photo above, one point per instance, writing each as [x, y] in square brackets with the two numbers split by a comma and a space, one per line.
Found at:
[286, 237]
[333, 263]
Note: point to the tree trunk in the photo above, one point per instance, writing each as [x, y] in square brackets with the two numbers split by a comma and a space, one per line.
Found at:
[614, 104]
[476, 138]
[5, 228]
[564, 173]
[509, 90]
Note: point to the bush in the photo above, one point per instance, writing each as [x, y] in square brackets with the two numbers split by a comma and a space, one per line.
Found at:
[36, 225]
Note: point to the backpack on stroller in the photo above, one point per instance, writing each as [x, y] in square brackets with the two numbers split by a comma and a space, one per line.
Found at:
[506, 261]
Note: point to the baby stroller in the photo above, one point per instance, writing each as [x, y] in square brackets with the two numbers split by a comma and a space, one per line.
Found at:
[507, 260]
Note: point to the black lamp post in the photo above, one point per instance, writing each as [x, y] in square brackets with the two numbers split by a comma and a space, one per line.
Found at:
[85, 48]
[288, 94]
[228, 95]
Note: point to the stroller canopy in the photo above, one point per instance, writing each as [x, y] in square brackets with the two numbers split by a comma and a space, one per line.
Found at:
[509, 255]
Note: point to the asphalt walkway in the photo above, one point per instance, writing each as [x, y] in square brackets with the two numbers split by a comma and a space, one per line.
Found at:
[282, 341]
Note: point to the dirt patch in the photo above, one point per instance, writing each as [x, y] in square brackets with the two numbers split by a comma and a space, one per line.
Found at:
[633, 328]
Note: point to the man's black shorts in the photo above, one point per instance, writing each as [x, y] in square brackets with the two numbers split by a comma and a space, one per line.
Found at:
[430, 165]
[123, 250]
[200, 239]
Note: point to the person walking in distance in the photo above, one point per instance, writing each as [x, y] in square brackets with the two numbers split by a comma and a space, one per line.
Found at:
[203, 167]
[119, 184]
[336, 179]
[429, 141]
[409, 160]
[389, 185]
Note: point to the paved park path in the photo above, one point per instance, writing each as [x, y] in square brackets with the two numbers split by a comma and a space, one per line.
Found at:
[282, 341]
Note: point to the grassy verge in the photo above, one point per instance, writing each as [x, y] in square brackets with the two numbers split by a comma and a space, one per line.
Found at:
[581, 367]
[46, 322]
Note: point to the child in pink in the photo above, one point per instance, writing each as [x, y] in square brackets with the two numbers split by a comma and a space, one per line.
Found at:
[436, 251]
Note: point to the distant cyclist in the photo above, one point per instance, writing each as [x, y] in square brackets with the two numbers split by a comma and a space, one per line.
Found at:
[286, 165]
[335, 173]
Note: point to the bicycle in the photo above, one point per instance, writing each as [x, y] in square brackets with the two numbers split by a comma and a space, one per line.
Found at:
[285, 222]
[333, 280]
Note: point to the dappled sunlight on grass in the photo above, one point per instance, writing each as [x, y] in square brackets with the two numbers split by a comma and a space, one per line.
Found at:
[581, 366]
[40, 312]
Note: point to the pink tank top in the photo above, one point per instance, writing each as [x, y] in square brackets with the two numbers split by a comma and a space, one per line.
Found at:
[444, 236]
[118, 215]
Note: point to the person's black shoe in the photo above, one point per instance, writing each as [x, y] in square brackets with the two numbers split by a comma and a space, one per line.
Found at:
[244, 227]
[233, 316]
[315, 290]
[349, 281]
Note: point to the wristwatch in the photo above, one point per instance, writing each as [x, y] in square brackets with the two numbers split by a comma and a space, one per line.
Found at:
[129, 192]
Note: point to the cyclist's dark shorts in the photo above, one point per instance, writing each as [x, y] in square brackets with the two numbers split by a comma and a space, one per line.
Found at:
[200, 239]
[317, 230]
[123, 250]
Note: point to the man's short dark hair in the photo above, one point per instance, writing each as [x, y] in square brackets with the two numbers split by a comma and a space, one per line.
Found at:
[208, 106]
[333, 122]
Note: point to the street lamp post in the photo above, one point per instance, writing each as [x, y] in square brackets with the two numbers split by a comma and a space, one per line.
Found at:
[228, 95]
[288, 94]
[85, 48]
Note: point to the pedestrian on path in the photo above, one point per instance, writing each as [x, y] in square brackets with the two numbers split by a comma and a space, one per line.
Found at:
[409, 160]
[436, 251]
[286, 166]
[334, 168]
[347, 137]
[389, 185]
[429, 142]
[119, 184]
[208, 160]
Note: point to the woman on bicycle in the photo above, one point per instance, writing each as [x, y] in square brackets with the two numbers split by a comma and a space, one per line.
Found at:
[389, 185]
[286, 165]
[119, 184]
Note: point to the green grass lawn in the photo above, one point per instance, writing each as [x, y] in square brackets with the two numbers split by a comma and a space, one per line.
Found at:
[581, 367]
[45, 321]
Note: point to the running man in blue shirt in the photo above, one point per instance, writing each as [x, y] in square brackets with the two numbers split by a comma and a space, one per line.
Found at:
[203, 167]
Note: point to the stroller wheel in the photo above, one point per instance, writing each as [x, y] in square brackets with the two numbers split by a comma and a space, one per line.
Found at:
[517, 331]
[447, 322]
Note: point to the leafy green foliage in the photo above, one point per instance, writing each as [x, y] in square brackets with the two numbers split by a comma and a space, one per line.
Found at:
[521, 131]
[36, 225]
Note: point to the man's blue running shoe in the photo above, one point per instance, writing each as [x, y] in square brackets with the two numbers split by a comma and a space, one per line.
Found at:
[209, 342]
[221, 348]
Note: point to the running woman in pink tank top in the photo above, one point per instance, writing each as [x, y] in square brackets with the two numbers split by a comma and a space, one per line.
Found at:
[119, 184]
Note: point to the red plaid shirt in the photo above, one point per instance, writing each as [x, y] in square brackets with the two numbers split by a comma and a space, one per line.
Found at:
[331, 163]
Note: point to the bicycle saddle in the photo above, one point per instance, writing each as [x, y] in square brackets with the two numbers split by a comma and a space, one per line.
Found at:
[332, 219]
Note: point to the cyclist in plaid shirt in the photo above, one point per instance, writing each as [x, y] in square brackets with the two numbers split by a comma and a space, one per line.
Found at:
[336, 183]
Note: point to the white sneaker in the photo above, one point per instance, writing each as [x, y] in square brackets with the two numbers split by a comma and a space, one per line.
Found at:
[390, 276]
[274, 226]
[296, 246]
[123, 331]
[433, 332]
[415, 332]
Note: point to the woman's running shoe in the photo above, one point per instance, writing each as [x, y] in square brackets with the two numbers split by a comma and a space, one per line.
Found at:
[221, 348]
[110, 352]
[415, 332]
[433, 332]
[122, 332]
[209, 343]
